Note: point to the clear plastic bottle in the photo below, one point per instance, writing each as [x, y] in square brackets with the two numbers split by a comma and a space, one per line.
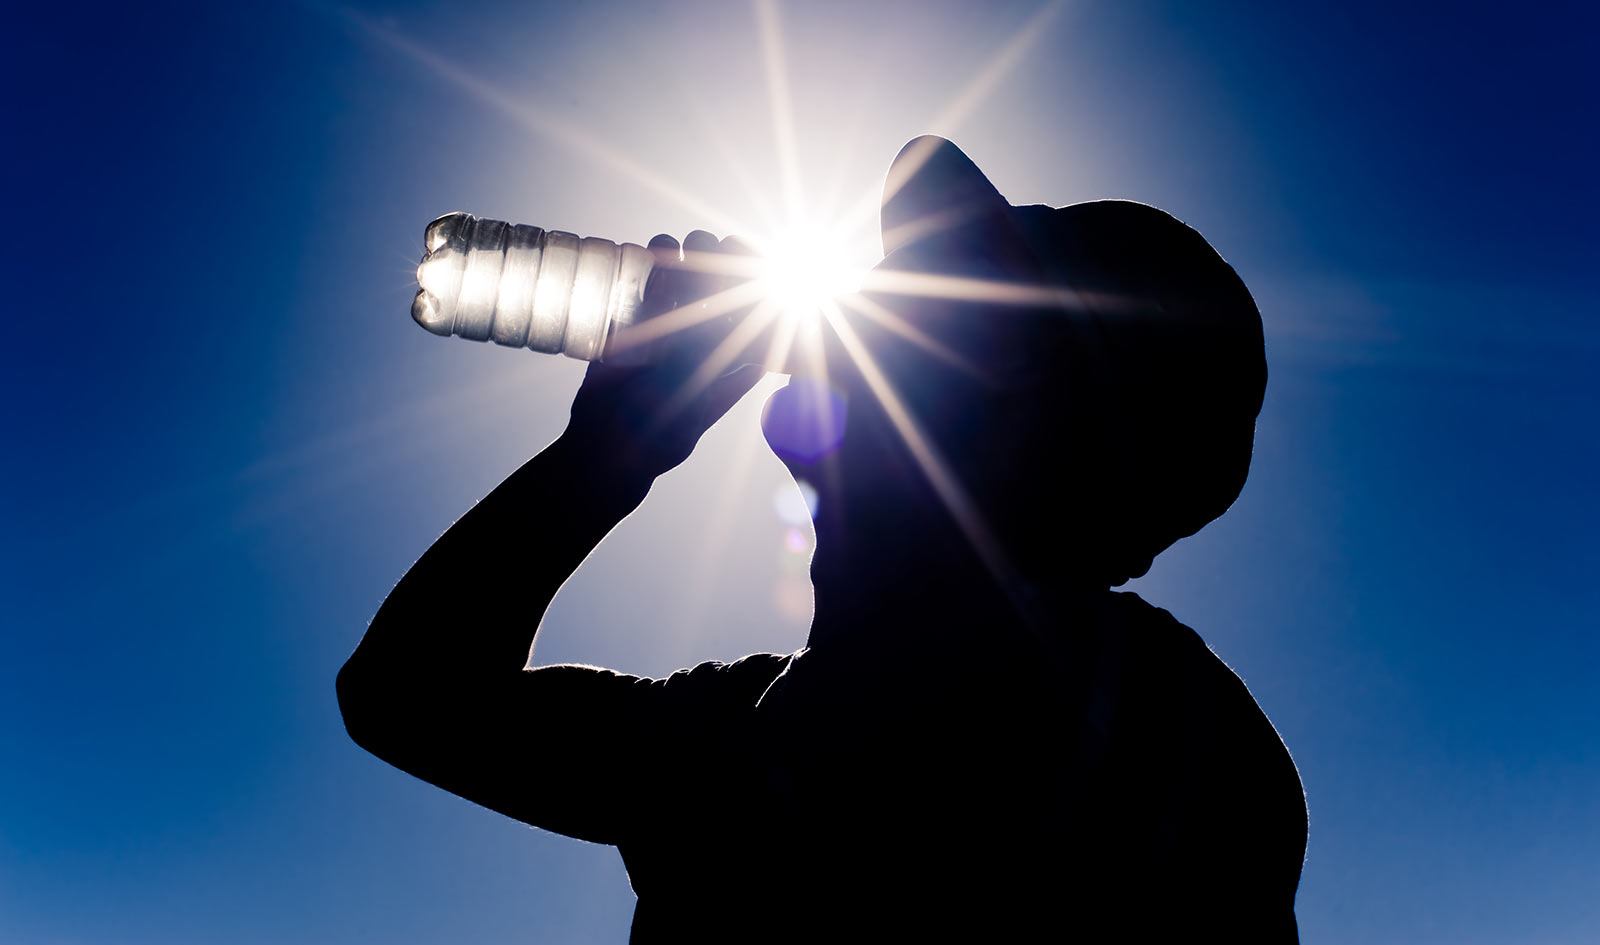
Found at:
[525, 287]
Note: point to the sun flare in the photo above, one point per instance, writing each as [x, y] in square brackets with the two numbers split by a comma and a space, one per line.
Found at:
[804, 268]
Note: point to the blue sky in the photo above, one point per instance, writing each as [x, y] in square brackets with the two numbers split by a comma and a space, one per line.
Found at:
[225, 440]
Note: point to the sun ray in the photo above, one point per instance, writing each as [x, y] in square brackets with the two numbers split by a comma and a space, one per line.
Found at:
[782, 343]
[888, 319]
[722, 357]
[689, 315]
[846, 142]
[762, 208]
[926, 225]
[864, 212]
[983, 84]
[781, 104]
[924, 453]
[812, 362]
[408, 269]
[748, 445]
[543, 124]
[721, 263]
[971, 289]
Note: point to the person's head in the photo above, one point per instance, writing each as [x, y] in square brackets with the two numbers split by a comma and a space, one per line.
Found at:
[1112, 371]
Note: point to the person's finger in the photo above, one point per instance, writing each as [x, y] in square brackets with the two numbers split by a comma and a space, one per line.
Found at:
[698, 248]
[700, 241]
[694, 282]
[700, 280]
[665, 249]
[661, 288]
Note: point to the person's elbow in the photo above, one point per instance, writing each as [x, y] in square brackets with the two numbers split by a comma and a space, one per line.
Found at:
[367, 705]
[404, 717]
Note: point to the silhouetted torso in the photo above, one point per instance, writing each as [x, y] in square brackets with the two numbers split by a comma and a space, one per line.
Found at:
[1122, 785]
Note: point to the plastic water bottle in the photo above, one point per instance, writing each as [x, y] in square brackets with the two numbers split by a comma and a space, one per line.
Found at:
[526, 287]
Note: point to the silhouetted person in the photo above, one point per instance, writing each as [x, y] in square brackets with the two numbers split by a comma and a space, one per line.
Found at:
[981, 742]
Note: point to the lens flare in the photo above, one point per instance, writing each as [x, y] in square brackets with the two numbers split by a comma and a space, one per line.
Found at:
[796, 506]
[796, 541]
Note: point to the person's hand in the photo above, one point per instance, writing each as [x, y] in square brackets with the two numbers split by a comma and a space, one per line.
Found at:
[645, 420]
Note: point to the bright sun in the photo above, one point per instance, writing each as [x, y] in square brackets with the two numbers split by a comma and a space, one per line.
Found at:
[806, 268]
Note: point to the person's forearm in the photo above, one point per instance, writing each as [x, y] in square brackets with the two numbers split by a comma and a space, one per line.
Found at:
[471, 605]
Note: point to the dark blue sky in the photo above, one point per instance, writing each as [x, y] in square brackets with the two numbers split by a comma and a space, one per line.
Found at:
[225, 440]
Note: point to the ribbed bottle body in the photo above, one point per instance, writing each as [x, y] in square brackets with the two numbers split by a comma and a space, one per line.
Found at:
[523, 286]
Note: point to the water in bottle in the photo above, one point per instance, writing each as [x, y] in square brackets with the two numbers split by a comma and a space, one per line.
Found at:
[523, 286]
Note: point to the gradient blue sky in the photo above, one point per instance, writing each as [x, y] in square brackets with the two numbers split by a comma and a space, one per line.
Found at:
[224, 439]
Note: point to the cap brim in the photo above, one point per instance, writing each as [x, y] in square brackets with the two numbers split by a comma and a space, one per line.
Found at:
[934, 188]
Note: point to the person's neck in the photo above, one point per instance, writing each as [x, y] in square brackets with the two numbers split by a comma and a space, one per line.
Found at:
[902, 576]
[893, 568]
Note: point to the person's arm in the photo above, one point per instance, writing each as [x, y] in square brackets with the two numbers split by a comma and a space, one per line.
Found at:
[438, 686]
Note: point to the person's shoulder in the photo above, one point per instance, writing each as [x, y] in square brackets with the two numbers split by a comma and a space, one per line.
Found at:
[743, 679]
[1156, 624]
[1125, 233]
[1176, 660]
[745, 667]
[1165, 645]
